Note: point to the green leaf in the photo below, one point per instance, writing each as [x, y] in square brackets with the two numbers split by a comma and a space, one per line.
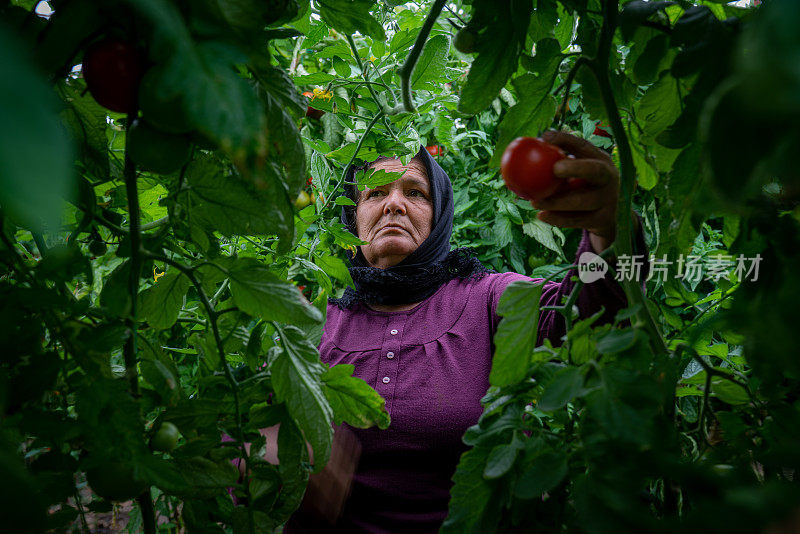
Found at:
[531, 115]
[296, 376]
[217, 200]
[162, 302]
[500, 460]
[87, 122]
[544, 472]
[517, 332]
[343, 201]
[498, 49]
[729, 392]
[115, 297]
[546, 235]
[616, 341]
[431, 65]
[565, 386]
[342, 235]
[468, 512]
[353, 400]
[350, 16]
[659, 107]
[36, 156]
[335, 268]
[371, 178]
[637, 12]
[260, 293]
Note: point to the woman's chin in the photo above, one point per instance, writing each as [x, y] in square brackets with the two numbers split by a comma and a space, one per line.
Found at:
[389, 250]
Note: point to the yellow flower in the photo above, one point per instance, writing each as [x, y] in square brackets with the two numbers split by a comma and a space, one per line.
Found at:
[156, 275]
[373, 58]
[321, 93]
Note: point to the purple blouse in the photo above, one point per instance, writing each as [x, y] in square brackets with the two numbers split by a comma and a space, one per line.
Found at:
[431, 364]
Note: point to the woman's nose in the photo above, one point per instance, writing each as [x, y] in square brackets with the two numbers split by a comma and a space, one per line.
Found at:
[395, 202]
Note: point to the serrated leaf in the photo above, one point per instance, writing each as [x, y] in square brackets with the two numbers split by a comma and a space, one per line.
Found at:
[431, 64]
[162, 302]
[218, 200]
[530, 116]
[498, 53]
[565, 386]
[546, 235]
[296, 377]
[545, 472]
[468, 513]
[260, 293]
[335, 268]
[372, 177]
[500, 460]
[350, 16]
[517, 332]
[353, 401]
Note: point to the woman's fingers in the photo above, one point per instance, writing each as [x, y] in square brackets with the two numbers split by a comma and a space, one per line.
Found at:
[580, 148]
[595, 171]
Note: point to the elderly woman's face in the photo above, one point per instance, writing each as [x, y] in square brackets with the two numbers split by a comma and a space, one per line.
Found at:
[395, 218]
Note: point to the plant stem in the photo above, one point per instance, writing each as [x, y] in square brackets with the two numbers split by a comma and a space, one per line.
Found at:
[234, 385]
[354, 49]
[411, 61]
[623, 242]
[129, 349]
[372, 123]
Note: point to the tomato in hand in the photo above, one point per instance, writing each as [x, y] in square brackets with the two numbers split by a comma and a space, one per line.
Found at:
[313, 113]
[113, 69]
[527, 167]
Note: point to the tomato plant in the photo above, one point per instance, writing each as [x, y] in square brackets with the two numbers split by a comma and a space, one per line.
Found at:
[150, 263]
[527, 167]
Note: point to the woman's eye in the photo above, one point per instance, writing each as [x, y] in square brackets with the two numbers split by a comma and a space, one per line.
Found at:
[416, 193]
[373, 193]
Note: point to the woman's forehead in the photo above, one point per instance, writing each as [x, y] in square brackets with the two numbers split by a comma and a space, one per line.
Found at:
[415, 167]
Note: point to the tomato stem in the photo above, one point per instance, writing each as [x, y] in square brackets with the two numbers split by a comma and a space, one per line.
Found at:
[129, 349]
[623, 242]
[411, 61]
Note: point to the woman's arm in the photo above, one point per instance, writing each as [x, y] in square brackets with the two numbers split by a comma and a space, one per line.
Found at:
[327, 490]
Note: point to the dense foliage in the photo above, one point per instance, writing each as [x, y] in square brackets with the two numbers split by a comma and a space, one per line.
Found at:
[169, 236]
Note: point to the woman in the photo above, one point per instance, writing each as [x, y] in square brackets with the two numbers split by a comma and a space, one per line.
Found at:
[418, 327]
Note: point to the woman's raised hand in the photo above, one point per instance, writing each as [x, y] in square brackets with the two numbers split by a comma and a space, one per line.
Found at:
[588, 198]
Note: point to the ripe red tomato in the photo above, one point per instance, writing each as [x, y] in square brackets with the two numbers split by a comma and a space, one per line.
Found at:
[313, 113]
[434, 150]
[113, 69]
[527, 167]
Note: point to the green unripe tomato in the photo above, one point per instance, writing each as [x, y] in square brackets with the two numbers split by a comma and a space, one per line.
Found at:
[97, 248]
[302, 200]
[157, 151]
[166, 439]
[465, 41]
